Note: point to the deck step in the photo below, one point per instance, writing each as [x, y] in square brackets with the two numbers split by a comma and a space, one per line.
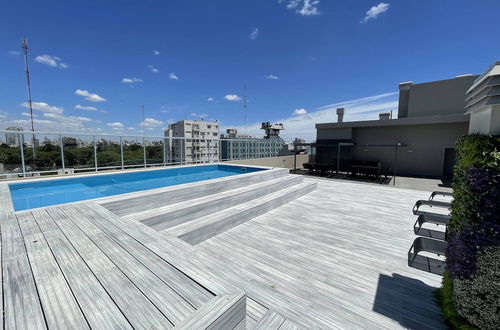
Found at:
[123, 205]
[270, 321]
[161, 218]
[197, 231]
[223, 312]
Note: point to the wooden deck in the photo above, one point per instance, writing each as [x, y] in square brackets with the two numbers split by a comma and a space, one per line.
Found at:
[335, 258]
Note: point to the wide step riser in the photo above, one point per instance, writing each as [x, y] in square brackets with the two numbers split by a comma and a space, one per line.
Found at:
[141, 204]
[174, 218]
[203, 233]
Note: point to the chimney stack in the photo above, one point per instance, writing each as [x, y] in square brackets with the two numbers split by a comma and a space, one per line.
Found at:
[384, 115]
[340, 115]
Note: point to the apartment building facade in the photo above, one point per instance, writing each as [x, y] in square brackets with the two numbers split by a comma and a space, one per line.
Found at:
[236, 146]
[192, 141]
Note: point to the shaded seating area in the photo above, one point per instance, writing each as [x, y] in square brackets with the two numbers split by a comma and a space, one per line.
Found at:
[369, 170]
[430, 241]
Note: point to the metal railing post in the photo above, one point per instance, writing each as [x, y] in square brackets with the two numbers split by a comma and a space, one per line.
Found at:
[95, 153]
[183, 144]
[164, 153]
[144, 148]
[121, 152]
[338, 158]
[61, 145]
[20, 138]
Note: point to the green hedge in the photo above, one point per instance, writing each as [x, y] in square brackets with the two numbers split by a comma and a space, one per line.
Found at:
[444, 297]
[478, 298]
[481, 151]
[470, 296]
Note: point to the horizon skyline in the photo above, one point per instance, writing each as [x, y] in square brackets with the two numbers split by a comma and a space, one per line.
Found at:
[191, 60]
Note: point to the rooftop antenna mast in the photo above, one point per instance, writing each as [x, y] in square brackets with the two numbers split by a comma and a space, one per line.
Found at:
[28, 86]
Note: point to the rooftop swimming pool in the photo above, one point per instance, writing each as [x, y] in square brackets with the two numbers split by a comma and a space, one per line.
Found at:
[35, 194]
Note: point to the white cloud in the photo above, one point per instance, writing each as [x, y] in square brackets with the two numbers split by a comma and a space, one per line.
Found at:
[153, 69]
[200, 115]
[156, 52]
[272, 77]
[232, 97]
[293, 4]
[116, 125]
[50, 60]
[299, 112]
[303, 7]
[254, 34]
[85, 107]
[210, 99]
[151, 123]
[309, 8]
[173, 76]
[92, 97]
[14, 52]
[44, 107]
[374, 11]
[304, 126]
[131, 80]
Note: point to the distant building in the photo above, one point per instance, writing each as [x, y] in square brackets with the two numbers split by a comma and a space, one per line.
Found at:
[201, 142]
[12, 139]
[236, 146]
[70, 142]
[420, 142]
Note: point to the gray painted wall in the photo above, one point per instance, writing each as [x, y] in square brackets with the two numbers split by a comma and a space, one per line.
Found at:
[444, 97]
[424, 153]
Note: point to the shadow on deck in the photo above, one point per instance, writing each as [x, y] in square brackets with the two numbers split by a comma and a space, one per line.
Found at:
[408, 301]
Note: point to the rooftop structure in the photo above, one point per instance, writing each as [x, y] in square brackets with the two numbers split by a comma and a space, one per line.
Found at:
[483, 102]
[272, 130]
[419, 142]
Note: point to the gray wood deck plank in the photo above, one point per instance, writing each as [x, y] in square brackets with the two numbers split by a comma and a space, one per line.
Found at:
[192, 292]
[98, 307]
[222, 312]
[139, 311]
[270, 321]
[164, 298]
[59, 305]
[21, 304]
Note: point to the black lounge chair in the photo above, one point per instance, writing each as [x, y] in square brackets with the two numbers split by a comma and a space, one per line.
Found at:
[440, 193]
[437, 219]
[430, 245]
[431, 203]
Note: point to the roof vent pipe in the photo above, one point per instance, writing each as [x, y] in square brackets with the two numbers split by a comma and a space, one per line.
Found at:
[340, 115]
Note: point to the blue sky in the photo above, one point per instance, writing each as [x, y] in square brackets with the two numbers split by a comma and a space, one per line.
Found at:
[94, 63]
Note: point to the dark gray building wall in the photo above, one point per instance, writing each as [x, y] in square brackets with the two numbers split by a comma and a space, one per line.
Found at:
[444, 97]
[423, 153]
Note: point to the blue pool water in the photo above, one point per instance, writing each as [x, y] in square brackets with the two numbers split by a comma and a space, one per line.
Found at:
[51, 192]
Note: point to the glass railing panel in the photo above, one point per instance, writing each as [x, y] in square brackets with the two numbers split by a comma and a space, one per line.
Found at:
[10, 155]
[78, 153]
[108, 152]
[133, 151]
[154, 151]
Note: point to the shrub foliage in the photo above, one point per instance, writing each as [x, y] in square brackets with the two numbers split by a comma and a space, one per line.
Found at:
[478, 298]
[473, 252]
